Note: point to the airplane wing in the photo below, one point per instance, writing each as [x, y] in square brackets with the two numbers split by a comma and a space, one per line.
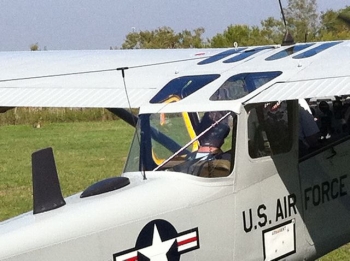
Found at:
[315, 88]
[325, 75]
[89, 78]
[94, 78]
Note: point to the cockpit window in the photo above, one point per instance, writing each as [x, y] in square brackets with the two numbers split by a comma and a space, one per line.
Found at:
[246, 54]
[270, 129]
[133, 160]
[315, 50]
[240, 85]
[195, 143]
[183, 86]
[221, 55]
[289, 51]
[178, 131]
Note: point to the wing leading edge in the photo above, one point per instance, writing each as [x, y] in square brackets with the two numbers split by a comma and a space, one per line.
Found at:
[89, 78]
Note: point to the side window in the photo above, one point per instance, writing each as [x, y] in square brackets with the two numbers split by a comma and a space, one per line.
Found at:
[269, 129]
[206, 149]
[215, 155]
[322, 124]
[232, 89]
[240, 85]
[169, 133]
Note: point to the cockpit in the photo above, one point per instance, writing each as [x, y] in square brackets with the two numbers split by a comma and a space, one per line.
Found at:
[196, 143]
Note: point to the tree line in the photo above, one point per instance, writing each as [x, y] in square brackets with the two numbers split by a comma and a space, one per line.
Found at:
[302, 21]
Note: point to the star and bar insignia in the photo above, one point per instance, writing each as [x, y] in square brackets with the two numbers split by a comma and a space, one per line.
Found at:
[159, 241]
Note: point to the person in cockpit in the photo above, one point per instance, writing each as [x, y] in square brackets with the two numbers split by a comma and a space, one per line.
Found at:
[212, 137]
[209, 160]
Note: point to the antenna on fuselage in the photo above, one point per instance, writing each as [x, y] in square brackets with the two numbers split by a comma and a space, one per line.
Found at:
[287, 38]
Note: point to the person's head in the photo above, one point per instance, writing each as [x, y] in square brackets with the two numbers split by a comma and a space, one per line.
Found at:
[337, 105]
[215, 137]
[323, 106]
[273, 107]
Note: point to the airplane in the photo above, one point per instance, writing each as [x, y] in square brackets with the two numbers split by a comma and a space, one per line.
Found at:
[259, 197]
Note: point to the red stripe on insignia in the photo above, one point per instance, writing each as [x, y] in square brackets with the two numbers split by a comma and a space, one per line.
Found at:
[184, 242]
[132, 259]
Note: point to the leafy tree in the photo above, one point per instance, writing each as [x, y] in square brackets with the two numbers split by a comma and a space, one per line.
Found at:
[333, 28]
[243, 35]
[188, 39]
[273, 30]
[345, 15]
[302, 19]
[164, 37]
[302, 22]
[34, 47]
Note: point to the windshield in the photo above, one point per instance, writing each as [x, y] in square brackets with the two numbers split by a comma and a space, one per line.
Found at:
[196, 143]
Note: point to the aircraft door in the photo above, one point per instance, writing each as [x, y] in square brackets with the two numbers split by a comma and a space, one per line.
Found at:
[268, 212]
[325, 184]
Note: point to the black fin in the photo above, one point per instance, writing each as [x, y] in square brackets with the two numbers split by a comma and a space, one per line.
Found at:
[47, 193]
[288, 39]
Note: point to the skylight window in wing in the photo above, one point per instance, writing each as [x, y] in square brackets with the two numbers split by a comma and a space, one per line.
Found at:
[289, 51]
[221, 55]
[183, 86]
[240, 85]
[246, 54]
[315, 50]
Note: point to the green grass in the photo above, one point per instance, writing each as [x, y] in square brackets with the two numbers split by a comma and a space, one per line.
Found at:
[85, 152]
[341, 254]
[20, 116]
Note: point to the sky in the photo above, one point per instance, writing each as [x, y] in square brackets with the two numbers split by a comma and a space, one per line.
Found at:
[92, 24]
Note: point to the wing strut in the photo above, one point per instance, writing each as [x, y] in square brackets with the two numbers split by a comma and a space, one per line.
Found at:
[47, 193]
[125, 115]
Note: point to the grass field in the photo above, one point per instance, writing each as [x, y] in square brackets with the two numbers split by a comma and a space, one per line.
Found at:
[84, 151]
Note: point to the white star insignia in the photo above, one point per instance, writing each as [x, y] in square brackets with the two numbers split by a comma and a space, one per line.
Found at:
[158, 250]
